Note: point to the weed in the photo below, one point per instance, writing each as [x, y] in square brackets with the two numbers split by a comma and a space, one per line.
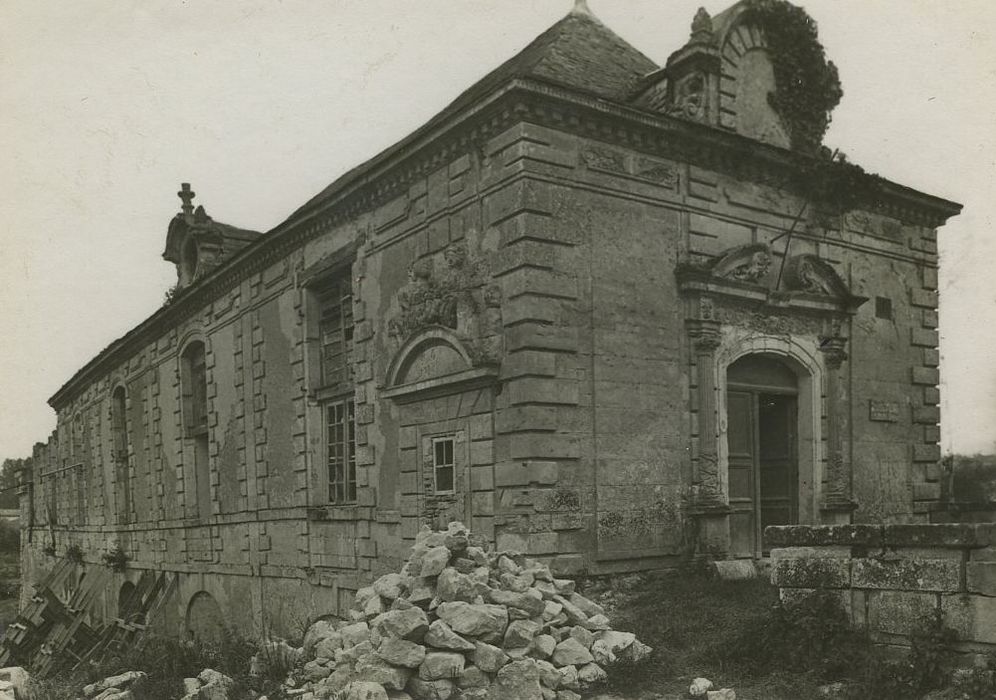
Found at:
[74, 553]
[116, 560]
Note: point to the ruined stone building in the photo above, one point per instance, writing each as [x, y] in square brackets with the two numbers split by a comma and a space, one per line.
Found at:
[608, 313]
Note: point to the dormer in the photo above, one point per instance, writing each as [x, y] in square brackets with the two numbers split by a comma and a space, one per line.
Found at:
[757, 69]
[197, 244]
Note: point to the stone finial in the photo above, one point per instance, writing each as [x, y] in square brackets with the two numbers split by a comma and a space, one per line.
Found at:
[702, 27]
[186, 195]
[581, 7]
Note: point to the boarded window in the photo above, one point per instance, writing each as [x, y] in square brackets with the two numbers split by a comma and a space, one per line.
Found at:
[443, 466]
[194, 384]
[341, 451]
[335, 330]
[119, 426]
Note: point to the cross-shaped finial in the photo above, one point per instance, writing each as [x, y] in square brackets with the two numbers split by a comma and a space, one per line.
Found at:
[186, 195]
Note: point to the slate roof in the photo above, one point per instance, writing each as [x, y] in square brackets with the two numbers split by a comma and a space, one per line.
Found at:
[578, 52]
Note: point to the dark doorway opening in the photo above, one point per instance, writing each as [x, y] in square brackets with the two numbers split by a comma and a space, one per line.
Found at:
[762, 437]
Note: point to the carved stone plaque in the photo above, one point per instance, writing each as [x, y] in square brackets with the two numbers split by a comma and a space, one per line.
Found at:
[883, 411]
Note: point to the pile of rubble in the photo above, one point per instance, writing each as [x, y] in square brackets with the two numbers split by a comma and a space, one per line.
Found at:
[124, 686]
[460, 622]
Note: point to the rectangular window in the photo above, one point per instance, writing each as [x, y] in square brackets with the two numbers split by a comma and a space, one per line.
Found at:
[442, 464]
[883, 307]
[335, 331]
[340, 440]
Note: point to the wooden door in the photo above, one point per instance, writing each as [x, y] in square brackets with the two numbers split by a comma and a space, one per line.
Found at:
[741, 484]
[776, 459]
[763, 479]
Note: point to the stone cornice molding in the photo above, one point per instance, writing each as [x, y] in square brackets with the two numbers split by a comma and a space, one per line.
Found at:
[468, 128]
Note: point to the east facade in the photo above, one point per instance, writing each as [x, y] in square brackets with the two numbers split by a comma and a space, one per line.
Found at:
[589, 310]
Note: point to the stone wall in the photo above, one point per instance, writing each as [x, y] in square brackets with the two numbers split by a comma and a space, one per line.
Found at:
[890, 578]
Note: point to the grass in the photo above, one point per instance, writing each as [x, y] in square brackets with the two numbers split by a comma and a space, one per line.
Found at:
[694, 623]
[10, 575]
[167, 662]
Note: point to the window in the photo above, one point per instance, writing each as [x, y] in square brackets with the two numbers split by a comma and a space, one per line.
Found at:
[119, 427]
[442, 464]
[335, 330]
[340, 441]
[883, 308]
[194, 385]
[330, 349]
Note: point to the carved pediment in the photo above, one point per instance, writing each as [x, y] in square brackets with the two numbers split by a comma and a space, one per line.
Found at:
[750, 273]
[813, 275]
[451, 291]
[747, 263]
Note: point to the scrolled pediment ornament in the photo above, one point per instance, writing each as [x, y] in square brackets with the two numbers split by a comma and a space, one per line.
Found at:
[810, 274]
[749, 263]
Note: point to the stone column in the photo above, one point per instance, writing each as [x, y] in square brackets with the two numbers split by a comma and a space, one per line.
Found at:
[705, 476]
[837, 495]
[708, 504]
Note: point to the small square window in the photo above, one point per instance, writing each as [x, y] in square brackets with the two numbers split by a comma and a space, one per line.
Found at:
[883, 308]
[443, 466]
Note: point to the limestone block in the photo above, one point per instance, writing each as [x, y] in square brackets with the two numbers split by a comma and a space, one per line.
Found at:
[899, 612]
[906, 574]
[441, 636]
[420, 689]
[441, 664]
[400, 652]
[972, 616]
[485, 621]
[362, 690]
[571, 652]
[811, 572]
[489, 658]
[518, 680]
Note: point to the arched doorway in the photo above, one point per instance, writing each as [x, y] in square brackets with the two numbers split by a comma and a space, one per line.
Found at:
[762, 442]
[204, 618]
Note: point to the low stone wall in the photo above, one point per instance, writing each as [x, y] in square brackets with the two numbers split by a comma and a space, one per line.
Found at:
[892, 577]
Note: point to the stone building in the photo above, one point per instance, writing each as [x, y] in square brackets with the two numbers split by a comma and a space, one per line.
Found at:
[605, 312]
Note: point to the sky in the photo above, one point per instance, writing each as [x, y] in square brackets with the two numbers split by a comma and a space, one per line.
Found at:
[107, 106]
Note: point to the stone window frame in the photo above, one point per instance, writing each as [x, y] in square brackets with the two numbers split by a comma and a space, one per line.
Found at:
[195, 422]
[121, 448]
[340, 454]
[332, 270]
[195, 426]
[437, 465]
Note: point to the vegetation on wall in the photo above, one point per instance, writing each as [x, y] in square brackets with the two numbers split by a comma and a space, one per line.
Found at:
[116, 559]
[834, 186]
[74, 553]
[807, 86]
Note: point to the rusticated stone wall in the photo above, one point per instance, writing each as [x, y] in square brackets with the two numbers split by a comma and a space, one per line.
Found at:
[892, 577]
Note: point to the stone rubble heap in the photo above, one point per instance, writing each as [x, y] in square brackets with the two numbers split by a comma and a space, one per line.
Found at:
[13, 683]
[704, 688]
[123, 686]
[463, 624]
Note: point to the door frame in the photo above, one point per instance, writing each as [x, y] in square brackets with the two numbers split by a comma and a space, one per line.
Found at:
[756, 391]
[803, 357]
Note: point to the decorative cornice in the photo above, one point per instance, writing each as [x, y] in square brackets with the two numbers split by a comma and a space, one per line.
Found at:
[387, 175]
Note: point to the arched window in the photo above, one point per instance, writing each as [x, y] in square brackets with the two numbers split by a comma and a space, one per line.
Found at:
[122, 476]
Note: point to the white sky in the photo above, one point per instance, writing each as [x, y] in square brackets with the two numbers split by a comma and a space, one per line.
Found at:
[106, 106]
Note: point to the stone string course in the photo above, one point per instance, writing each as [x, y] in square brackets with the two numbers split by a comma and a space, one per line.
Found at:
[892, 577]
